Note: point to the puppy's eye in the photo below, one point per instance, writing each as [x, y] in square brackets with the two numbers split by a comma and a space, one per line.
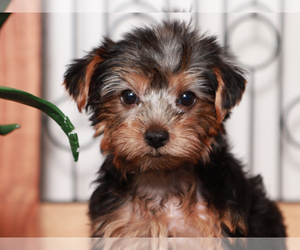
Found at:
[187, 99]
[129, 97]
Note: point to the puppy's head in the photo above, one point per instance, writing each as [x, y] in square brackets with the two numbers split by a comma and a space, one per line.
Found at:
[159, 96]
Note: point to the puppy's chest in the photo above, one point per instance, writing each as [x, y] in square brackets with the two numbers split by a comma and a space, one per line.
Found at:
[174, 216]
[172, 207]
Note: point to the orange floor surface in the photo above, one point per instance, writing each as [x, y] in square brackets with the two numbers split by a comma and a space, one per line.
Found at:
[71, 220]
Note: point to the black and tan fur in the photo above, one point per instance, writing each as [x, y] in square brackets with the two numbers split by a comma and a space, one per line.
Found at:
[190, 185]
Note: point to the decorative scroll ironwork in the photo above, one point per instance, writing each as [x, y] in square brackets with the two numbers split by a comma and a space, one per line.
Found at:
[289, 135]
[253, 68]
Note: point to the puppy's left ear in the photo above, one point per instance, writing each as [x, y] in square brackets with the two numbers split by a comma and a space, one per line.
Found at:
[231, 86]
[78, 77]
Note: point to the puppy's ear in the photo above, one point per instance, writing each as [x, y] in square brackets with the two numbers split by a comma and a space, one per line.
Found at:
[231, 86]
[77, 78]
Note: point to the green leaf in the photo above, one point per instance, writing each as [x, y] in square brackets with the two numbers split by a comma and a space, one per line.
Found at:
[3, 17]
[5, 129]
[49, 108]
[3, 5]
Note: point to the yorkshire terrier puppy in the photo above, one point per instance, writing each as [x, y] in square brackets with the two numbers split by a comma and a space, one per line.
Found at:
[160, 97]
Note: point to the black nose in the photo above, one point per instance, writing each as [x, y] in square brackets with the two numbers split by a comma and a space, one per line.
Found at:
[156, 137]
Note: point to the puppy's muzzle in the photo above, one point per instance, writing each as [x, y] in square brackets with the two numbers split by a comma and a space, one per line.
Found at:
[156, 137]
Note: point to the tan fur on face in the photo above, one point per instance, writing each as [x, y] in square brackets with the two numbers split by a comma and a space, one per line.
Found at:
[127, 143]
[130, 81]
[138, 82]
[180, 82]
[191, 133]
[188, 81]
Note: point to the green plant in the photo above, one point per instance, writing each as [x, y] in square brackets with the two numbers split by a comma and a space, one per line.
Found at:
[3, 17]
[28, 99]
[47, 107]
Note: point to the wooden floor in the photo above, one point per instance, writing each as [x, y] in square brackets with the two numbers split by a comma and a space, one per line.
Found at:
[71, 220]
[64, 220]
[291, 212]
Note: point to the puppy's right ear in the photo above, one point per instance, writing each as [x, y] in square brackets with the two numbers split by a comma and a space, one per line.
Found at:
[77, 79]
